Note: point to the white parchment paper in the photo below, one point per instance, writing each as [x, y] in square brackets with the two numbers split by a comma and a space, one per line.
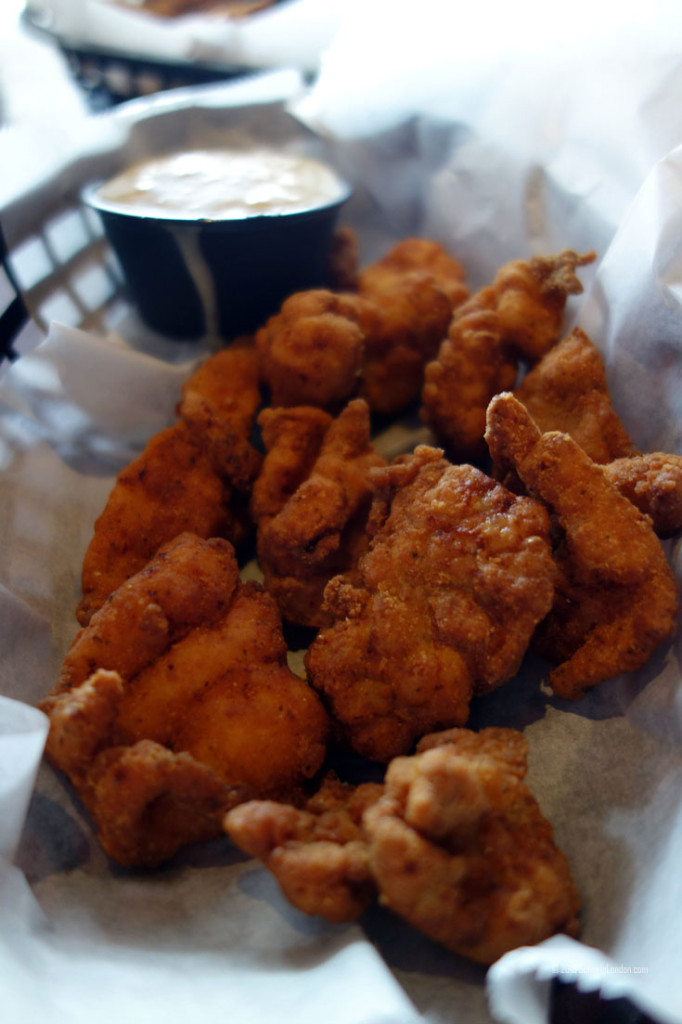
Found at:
[516, 150]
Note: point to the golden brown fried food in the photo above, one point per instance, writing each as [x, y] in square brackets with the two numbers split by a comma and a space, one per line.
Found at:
[413, 291]
[616, 598]
[292, 438]
[186, 660]
[171, 488]
[517, 317]
[472, 366]
[567, 391]
[189, 581]
[316, 852]
[531, 298]
[374, 339]
[420, 255]
[652, 482]
[225, 390]
[146, 801]
[458, 846]
[319, 529]
[311, 350]
[195, 477]
[443, 605]
[224, 693]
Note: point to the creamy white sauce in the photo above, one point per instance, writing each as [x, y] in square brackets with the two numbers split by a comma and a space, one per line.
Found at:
[212, 184]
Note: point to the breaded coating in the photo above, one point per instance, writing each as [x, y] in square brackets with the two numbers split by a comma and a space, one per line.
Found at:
[227, 386]
[311, 350]
[194, 476]
[189, 581]
[424, 256]
[443, 605]
[224, 693]
[472, 365]
[413, 290]
[145, 800]
[81, 720]
[319, 530]
[531, 297]
[616, 597]
[458, 846]
[292, 438]
[567, 391]
[184, 659]
[171, 488]
[316, 852]
[151, 801]
[652, 482]
[323, 347]
[517, 317]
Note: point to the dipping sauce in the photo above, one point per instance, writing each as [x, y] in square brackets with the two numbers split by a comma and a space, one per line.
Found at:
[223, 184]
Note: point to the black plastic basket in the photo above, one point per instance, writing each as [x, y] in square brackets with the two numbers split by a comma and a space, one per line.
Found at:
[110, 77]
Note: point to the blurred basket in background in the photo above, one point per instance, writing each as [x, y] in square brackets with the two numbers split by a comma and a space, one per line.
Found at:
[61, 268]
[112, 76]
[56, 264]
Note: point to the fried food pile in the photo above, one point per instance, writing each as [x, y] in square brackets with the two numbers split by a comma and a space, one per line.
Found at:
[454, 842]
[528, 521]
[163, 695]
[616, 597]
[516, 318]
[323, 348]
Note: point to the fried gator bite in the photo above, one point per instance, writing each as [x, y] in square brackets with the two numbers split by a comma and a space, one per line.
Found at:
[321, 471]
[516, 318]
[442, 606]
[292, 437]
[311, 350]
[653, 483]
[413, 291]
[567, 391]
[454, 842]
[317, 852]
[458, 846]
[195, 477]
[616, 598]
[322, 348]
[176, 702]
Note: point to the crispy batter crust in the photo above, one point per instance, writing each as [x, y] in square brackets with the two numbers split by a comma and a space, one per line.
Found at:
[194, 477]
[319, 528]
[517, 317]
[176, 702]
[443, 604]
[567, 391]
[316, 852]
[458, 846]
[616, 598]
